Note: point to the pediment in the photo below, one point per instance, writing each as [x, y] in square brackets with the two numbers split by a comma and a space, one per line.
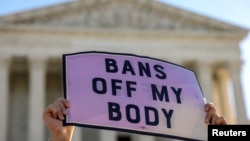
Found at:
[129, 14]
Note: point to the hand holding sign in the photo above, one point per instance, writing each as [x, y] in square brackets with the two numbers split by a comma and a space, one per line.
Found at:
[53, 119]
[133, 93]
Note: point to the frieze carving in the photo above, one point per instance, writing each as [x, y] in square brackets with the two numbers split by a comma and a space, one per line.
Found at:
[122, 15]
[132, 14]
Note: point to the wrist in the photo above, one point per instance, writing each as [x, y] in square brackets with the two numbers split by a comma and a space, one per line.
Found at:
[59, 138]
[65, 135]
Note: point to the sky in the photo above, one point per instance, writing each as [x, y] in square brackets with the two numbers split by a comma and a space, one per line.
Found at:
[236, 12]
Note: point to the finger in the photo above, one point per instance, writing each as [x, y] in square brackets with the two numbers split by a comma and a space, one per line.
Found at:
[58, 106]
[208, 106]
[63, 104]
[211, 111]
[51, 110]
[221, 121]
[214, 119]
[65, 101]
[66, 106]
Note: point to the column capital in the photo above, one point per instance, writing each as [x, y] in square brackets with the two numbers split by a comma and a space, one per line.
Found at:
[38, 62]
[177, 61]
[5, 61]
[203, 63]
[235, 66]
[37, 58]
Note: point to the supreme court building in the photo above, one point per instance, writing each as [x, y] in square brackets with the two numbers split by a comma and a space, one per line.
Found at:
[32, 44]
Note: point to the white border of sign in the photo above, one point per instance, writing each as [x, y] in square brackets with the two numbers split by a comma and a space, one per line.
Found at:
[116, 128]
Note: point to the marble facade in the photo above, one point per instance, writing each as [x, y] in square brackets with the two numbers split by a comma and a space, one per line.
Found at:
[32, 44]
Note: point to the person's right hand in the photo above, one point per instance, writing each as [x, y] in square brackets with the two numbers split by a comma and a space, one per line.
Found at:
[53, 117]
[212, 116]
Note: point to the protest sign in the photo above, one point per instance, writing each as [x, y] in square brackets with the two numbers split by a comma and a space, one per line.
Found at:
[139, 94]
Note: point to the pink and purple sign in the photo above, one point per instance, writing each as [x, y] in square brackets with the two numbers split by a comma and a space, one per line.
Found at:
[139, 94]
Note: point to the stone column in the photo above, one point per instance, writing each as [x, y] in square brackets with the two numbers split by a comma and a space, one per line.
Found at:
[205, 73]
[4, 96]
[106, 135]
[235, 72]
[37, 71]
[77, 136]
[145, 138]
[224, 93]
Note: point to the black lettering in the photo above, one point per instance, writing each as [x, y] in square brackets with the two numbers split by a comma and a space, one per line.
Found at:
[136, 118]
[144, 69]
[177, 94]
[168, 116]
[160, 95]
[154, 121]
[128, 68]
[129, 88]
[161, 74]
[101, 87]
[114, 111]
[114, 83]
[111, 65]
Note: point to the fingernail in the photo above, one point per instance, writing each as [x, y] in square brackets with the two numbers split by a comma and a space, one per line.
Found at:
[65, 112]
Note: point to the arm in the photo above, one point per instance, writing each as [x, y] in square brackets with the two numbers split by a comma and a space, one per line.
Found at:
[53, 117]
[212, 116]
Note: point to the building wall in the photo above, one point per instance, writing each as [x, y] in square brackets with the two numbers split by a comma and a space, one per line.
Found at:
[31, 47]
